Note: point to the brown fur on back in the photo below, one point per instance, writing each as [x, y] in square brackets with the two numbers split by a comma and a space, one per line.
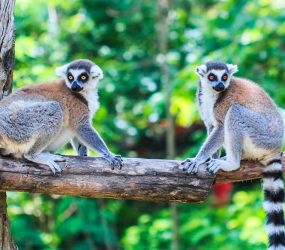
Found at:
[246, 93]
[72, 103]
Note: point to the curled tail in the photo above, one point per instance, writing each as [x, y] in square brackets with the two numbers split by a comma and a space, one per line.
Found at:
[273, 187]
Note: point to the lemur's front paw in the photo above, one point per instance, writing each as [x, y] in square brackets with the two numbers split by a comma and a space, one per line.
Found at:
[115, 161]
[214, 165]
[190, 165]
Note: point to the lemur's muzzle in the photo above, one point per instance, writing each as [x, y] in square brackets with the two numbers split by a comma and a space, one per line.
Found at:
[76, 87]
[219, 87]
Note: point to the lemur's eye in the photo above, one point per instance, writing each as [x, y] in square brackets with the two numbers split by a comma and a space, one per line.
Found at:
[84, 77]
[211, 77]
[70, 77]
[225, 77]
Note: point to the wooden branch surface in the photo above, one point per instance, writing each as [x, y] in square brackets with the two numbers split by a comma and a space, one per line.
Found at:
[139, 179]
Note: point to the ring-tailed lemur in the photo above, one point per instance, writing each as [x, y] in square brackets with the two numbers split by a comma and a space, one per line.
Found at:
[41, 118]
[241, 116]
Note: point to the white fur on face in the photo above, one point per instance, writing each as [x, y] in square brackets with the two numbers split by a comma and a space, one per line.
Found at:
[202, 72]
[217, 72]
[232, 68]
[95, 75]
[96, 72]
[75, 73]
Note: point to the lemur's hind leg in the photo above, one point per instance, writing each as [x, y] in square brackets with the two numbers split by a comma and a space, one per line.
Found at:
[243, 124]
[47, 127]
[37, 156]
[46, 159]
[54, 157]
[233, 143]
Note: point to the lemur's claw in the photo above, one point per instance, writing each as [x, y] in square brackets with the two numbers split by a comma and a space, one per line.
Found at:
[54, 167]
[121, 162]
[115, 161]
[58, 158]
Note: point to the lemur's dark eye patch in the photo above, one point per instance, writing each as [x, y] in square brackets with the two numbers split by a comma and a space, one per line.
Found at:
[70, 77]
[83, 77]
[225, 77]
[212, 77]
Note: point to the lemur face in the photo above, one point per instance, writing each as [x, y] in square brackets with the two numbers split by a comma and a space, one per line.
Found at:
[80, 75]
[216, 75]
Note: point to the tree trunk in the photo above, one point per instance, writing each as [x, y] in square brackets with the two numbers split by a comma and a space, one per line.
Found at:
[7, 46]
[163, 33]
[6, 240]
[7, 53]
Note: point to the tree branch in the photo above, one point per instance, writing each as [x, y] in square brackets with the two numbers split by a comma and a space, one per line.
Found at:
[140, 179]
[249, 170]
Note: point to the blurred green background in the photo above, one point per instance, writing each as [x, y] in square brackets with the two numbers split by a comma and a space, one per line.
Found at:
[124, 37]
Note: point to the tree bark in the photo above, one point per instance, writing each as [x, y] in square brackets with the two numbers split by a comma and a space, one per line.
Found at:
[163, 33]
[7, 46]
[139, 179]
[7, 54]
[6, 240]
[249, 170]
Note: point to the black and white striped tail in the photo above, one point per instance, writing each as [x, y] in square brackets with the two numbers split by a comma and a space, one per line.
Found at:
[273, 187]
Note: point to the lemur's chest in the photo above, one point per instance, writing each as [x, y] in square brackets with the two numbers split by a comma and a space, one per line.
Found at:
[63, 137]
[206, 102]
[93, 102]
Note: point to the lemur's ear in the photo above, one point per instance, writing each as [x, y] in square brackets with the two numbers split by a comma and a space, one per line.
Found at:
[96, 72]
[201, 70]
[61, 71]
[232, 68]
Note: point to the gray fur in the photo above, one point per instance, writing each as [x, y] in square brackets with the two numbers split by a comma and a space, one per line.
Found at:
[79, 147]
[216, 65]
[249, 128]
[81, 64]
[46, 159]
[32, 124]
[44, 117]
[22, 122]
[210, 147]
[199, 94]
[266, 132]
[89, 137]
[218, 152]
[261, 132]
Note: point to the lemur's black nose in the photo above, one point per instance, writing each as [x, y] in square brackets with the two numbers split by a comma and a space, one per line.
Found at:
[75, 87]
[219, 87]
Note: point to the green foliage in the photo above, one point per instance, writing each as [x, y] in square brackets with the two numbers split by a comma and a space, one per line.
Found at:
[236, 226]
[123, 38]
